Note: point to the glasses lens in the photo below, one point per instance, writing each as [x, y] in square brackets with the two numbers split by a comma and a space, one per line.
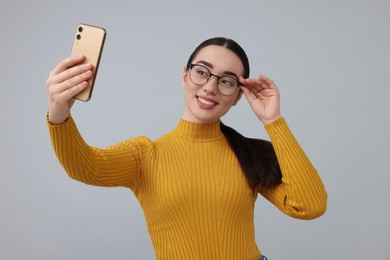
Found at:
[227, 85]
[199, 74]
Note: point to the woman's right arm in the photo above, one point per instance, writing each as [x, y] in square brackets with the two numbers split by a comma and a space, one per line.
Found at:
[117, 165]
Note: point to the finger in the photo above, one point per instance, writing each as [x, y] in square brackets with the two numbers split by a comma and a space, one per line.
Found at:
[269, 82]
[71, 102]
[74, 81]
[249, 82]
[62, 73]
[70, 93]
[67, 63]
[253, 82]
[266, 93]
[256, 86]
[248, 94]
[72, 72]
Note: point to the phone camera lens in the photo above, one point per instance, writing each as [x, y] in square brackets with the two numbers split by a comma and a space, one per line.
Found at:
[78, 36]
[80, 29]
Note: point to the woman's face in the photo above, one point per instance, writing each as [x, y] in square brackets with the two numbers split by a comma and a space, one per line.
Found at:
[204, 103]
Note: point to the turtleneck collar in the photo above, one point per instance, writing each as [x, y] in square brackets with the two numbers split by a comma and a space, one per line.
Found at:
[198, 132]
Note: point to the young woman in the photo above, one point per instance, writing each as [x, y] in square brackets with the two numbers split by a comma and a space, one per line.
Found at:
[197, 184]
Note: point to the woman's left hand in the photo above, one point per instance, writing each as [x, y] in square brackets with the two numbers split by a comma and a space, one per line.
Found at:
[263, 96]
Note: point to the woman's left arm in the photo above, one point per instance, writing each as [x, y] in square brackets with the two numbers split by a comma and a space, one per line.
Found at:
[301, 193]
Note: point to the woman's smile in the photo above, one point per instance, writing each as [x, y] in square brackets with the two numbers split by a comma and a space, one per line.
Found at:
[206, 103]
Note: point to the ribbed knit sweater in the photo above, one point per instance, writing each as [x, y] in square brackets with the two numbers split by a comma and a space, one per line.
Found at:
[196, 200]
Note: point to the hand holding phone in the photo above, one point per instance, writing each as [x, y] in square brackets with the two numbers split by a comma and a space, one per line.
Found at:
[89, 41]
[69, 78]
[74, 76]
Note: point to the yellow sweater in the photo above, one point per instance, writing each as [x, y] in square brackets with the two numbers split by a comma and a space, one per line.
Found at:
[195, 198]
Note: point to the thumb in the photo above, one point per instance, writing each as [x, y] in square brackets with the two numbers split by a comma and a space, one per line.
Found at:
[71, 102]
[248, 94]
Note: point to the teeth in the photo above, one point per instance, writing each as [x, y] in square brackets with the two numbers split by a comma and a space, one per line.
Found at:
[208, 103]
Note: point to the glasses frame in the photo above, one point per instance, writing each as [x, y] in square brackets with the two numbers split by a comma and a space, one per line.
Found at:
[218, 78]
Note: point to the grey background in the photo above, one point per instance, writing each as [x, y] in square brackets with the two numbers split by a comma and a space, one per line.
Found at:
[330, 60]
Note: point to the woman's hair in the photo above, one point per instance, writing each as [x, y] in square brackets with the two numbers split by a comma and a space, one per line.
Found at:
[228, 44]
[257, 158]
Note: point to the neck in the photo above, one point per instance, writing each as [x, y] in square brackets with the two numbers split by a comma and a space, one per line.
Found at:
[196, 120]
[198, 131]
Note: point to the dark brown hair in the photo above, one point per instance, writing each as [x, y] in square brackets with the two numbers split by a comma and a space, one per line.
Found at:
[257, 158]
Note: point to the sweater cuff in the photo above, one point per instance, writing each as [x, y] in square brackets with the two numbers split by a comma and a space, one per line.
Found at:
[279, 128]
[50, 124]
[281, 122]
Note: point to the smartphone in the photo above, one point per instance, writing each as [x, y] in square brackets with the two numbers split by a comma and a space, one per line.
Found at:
[89, 41]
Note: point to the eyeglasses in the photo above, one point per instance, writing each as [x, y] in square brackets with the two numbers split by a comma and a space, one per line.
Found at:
[200, 75]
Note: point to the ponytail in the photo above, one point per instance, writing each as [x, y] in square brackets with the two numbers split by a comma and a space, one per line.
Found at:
[257, 159]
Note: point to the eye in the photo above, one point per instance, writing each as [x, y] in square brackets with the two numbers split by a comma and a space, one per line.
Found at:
[228, 82]
[202, 72]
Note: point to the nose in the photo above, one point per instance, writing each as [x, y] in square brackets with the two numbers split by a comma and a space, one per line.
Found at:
[211, 85]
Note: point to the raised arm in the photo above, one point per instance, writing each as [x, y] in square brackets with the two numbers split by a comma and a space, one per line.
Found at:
[118, 165]
[301, 193]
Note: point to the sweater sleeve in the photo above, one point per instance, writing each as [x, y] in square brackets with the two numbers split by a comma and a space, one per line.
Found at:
[301, 194]
[117, 165]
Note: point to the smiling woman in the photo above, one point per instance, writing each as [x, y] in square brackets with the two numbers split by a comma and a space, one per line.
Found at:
[197, 184]
[205, 103]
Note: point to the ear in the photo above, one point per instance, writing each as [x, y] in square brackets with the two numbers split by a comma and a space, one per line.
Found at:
[184, 76]
[239, 95]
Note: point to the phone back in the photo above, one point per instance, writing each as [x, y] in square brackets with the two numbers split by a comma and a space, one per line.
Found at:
[89, 41]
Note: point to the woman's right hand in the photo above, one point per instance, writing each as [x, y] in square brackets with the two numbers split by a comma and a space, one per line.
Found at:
[65, 81]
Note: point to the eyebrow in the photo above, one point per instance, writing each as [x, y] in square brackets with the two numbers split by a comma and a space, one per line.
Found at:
[211, 66]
